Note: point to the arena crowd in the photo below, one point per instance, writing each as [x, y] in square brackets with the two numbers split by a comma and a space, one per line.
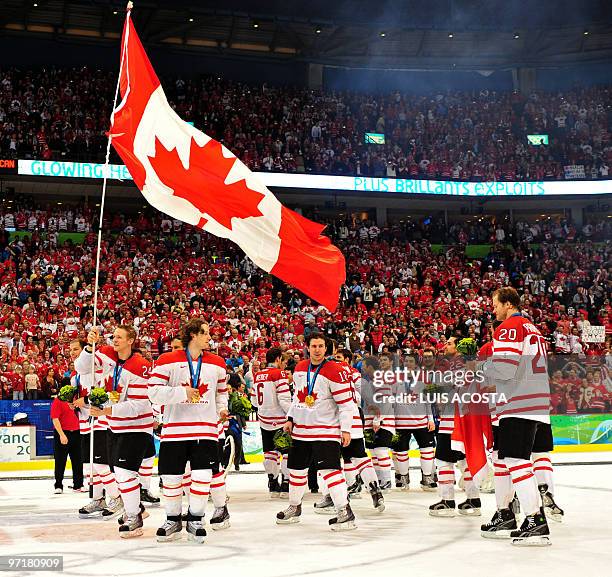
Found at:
[400, 296]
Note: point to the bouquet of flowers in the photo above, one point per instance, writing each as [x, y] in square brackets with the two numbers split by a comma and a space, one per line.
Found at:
[368, 437]
[468, 348]
[98, 397]
[240, 406]
[67, 393]
[282, 440]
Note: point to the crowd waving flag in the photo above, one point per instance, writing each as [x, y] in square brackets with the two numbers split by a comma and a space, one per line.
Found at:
[188, 175]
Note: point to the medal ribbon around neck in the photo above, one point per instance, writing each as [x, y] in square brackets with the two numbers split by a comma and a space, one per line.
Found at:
[310, 384]
[117, 374]
[195, 376]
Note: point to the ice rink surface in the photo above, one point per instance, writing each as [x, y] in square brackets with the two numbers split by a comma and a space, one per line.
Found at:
[403, 540]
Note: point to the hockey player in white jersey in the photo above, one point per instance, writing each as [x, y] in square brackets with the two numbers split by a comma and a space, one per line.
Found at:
[272, 398]
[191, 385]
[103, 477]
[518, 369]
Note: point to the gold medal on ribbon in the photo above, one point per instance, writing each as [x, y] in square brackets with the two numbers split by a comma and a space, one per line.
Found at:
[196, 397]
[309, 400]
[114, 396]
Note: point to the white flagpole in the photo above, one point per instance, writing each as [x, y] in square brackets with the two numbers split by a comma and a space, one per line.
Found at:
[105, 171]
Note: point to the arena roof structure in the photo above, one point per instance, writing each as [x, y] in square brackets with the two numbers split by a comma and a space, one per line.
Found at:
[405, 34]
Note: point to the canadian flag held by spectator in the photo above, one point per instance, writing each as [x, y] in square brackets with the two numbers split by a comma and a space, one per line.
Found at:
[191, 177]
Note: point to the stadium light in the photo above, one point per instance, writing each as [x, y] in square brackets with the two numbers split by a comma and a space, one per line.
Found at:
[383, 34]
[191, 20]
[586, 32]
[255, 24]
[317, 30]
[516, 36]
[450, 34]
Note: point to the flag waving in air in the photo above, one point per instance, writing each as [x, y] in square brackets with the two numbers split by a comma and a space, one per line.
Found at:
[192, 177]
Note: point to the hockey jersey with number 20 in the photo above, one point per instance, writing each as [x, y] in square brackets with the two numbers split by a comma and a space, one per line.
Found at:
[518, 368]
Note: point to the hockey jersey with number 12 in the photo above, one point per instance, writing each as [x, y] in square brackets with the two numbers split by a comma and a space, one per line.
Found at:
[333, 408]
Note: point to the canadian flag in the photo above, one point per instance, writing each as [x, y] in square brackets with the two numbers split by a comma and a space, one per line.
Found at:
[473, 436]
[192, 177]
[472, 433]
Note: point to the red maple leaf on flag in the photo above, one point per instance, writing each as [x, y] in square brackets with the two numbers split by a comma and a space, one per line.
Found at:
[203, 183]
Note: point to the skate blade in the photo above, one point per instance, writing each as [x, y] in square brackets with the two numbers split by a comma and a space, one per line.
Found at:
[429, 489]
[537, 541]
[469, 512]
[354, 496]
[113, 516]
[147, 504]
[380, 508]
[325, 511]
[131, 534]
[96, 515]
[274, 495]
[442, 513]
[290, 521]
[502, 534]
[405, 488]
[347, 526]
[220, 526]
[554, 516]
[195, 538]
[284, 495]
[168, 538]
[144, 516]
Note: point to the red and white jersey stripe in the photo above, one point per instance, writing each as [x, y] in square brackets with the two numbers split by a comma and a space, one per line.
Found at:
[333, 408]
[357, 428]
[411, 411]
[377, 407]
[519, 370]
[133, 412]
[168, 381]
[272, 397]
[85, 382]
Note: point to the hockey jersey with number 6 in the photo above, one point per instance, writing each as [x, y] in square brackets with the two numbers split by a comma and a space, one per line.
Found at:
[168, 381]
[272, 397]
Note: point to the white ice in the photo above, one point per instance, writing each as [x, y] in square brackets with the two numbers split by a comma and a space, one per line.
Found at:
[403, 540]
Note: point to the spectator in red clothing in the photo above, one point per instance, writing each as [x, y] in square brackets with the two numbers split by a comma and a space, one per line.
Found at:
[16, 382]
[66, 442]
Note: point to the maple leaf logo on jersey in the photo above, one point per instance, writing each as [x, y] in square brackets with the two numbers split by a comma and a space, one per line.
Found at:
[301, 395]
[203, 183]
[108, 383]
[202, 389]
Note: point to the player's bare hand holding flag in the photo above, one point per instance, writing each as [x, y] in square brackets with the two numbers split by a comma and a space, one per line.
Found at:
[190, 176]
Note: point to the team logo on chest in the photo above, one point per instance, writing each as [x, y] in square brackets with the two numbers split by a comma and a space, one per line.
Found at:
[202, 390]
[307, 399]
